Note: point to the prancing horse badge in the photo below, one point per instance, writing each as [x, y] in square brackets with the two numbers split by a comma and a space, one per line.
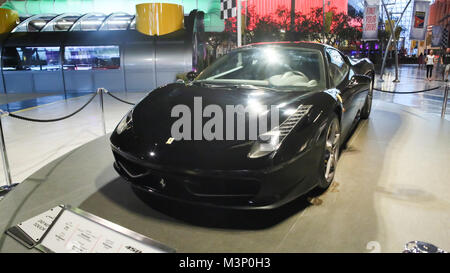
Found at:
[170, 140]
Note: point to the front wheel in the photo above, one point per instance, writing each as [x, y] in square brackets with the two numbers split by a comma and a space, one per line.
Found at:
[327, 169]
[365, 112]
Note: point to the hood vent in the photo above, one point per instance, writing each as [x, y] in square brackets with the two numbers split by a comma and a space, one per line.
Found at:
[286, 127]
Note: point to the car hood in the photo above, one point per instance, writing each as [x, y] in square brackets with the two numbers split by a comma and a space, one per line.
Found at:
[152, 122]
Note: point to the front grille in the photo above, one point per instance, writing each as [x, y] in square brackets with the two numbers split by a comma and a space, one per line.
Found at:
[220, 187]
[132, 169]
[190, 187]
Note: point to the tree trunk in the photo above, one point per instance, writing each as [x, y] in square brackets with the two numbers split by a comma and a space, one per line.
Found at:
[292, 15]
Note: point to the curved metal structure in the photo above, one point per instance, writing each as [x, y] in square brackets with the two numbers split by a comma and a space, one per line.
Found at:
[132, 23]
[110, 19]
[70, 53]
[83, 17]
[23, 26]
[50, 26]
[105, 21]
[121, 20]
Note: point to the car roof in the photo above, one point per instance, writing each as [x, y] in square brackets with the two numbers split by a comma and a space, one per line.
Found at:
[290, 44]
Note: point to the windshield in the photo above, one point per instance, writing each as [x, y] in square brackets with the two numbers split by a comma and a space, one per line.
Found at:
[277, 67]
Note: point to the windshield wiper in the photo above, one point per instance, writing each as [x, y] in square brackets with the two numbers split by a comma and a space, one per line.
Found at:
[234, 85]
[207, 83]
[244, 85]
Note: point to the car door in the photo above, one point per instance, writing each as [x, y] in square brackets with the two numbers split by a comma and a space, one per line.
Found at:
[340, 74]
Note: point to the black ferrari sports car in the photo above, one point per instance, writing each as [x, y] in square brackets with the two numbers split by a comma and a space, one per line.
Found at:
[174, 143]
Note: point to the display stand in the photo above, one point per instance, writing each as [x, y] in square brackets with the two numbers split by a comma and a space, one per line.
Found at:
[71, 230]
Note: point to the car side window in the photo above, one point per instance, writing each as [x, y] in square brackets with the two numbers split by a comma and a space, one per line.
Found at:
[337, 66]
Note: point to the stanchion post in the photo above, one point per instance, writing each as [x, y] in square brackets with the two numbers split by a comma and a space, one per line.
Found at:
[444, 103]
[5, 156]
[102, 109]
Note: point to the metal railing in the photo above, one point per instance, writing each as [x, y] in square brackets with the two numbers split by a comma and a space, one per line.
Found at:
[444, 102]
[444, 99]
[6, 167]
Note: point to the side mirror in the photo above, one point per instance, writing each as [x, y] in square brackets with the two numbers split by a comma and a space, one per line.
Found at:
[190, 76]
[357, 80]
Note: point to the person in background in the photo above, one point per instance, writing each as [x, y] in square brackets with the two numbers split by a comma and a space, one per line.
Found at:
[420, 60]
[429, 60]
[446, 63]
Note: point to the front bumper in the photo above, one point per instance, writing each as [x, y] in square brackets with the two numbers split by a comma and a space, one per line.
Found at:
[233, 189]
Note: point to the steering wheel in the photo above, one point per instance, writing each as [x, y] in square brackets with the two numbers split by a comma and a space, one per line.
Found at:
[298, 73]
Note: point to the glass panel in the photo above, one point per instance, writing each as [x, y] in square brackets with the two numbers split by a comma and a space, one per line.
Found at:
[64, 24]
[133, 24]
[48, 58]
[396, 8]
[37, 24]
[118, 22]
[91, 57]
[90, 23]
[338, 67]
[11, 59]
[277, 67]
[31, 58]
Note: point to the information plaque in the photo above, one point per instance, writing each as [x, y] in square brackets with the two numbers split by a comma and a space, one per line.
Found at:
[70, 230]
[31, 231]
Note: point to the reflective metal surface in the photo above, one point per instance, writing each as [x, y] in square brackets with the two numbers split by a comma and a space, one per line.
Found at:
[76, 22]
[421, 247]
[332, 150]
[33, 23]
[256, 173]
[444, 102]
[139, 62]
[61, 22]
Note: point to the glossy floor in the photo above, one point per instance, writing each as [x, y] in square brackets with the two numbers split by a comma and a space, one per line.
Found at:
[391, 186]
[413, 79]
[31, 145]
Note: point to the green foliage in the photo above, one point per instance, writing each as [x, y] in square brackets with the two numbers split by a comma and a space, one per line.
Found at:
[307, 27]
[266, 30]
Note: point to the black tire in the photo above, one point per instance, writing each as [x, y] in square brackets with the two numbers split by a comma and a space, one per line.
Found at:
[332, 136]
[367, 108]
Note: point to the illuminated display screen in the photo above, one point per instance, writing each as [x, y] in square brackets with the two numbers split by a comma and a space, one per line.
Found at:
[31, 58]
[91, 57]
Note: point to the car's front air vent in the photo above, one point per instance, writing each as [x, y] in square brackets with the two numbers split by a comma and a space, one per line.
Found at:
[286, 127]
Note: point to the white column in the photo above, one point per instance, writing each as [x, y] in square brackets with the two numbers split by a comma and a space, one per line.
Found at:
[239, 23]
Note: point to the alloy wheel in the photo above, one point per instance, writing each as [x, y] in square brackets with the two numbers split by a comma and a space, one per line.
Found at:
[369, 97]
[331, 150]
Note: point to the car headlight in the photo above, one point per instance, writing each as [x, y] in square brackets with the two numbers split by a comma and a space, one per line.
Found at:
[271, 141]
[125, 123]
[268, 143]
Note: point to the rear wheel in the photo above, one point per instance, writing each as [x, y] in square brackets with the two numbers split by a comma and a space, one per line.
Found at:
[328, 166]
[365, 112]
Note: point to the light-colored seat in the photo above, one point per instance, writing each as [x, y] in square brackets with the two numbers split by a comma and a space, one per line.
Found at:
[292, 79]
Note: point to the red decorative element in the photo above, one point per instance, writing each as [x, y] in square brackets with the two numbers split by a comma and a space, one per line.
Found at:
[268, 7]
[439, 11]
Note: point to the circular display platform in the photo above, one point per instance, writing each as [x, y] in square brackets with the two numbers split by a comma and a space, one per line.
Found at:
[390, 188]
